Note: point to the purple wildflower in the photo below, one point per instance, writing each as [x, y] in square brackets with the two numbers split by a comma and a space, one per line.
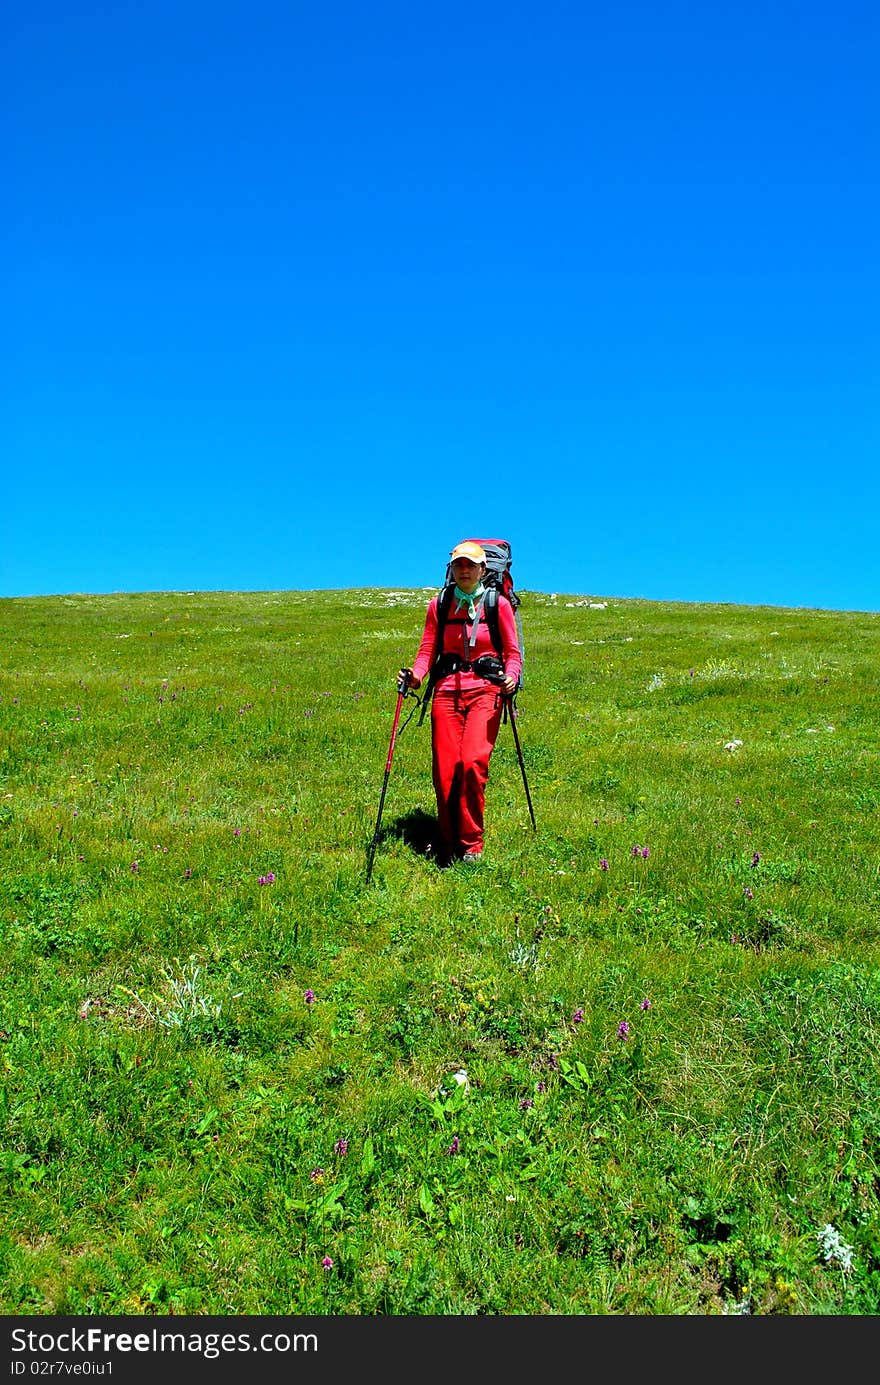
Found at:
[645, 853]
[326, 1263]
[341, 1147]
[454, 1147]
[578, 1016]
[645, 1005]
[317, 1175]
[309, 997]
[603, 864]
[756, 858]
[526, 1104]
[187, 874]
[623, 1030]
[748, 892]
[134, 867]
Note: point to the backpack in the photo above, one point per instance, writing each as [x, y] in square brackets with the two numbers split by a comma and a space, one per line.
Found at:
[497, 581]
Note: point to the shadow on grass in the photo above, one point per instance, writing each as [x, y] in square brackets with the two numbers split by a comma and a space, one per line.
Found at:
[421, 833]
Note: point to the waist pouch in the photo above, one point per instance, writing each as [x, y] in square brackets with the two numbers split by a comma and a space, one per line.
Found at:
[487, 666]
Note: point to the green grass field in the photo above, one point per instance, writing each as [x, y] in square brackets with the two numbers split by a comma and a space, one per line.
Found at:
[628, 1065]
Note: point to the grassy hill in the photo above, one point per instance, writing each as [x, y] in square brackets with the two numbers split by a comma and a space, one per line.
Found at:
[626, 1066]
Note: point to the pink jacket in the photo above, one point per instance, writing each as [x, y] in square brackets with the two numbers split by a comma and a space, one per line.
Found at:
[456, 636]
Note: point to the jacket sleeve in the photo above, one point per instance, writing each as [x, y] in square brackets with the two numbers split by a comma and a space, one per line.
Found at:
[509, 640]
[425, 656]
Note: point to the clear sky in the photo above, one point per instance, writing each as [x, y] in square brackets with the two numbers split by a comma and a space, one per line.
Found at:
[297, 295]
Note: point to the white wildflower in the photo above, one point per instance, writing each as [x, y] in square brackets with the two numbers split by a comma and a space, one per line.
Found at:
[741, 1308]
[834, 1248]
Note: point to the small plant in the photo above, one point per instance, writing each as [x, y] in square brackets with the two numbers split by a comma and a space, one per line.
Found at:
[834, 1248]
[523, 955]
[179, 1003]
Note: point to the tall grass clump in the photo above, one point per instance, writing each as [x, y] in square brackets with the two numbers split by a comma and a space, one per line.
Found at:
[626, 1066]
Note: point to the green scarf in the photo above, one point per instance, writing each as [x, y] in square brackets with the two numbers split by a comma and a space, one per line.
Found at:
[468, 599]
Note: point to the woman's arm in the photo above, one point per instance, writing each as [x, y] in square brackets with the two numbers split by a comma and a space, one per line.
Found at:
[425, 656]
[510, 651]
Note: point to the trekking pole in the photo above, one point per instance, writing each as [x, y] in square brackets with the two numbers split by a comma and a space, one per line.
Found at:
[401, 694]
[511, 709]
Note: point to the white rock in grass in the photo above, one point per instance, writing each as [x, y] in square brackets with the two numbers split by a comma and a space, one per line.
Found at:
[460, 1079]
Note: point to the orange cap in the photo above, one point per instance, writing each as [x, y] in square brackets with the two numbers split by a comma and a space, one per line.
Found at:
[470, 549]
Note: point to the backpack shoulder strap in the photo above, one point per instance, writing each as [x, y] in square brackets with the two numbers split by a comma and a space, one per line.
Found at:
[444, 601]
[492, 619]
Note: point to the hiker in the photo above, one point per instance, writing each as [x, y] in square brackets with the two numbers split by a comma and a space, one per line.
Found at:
[470, 682]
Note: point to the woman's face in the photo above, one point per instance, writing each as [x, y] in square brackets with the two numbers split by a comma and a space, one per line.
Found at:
[467, 574]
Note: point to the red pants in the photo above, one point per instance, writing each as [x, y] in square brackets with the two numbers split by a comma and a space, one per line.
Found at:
[464, 724]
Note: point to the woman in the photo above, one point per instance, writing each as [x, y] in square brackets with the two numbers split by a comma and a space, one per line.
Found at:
[468, 701]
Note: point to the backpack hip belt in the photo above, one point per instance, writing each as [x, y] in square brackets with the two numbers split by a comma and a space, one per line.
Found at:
[487, 666]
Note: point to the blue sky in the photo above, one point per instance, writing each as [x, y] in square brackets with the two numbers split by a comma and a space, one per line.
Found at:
[298, 295]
